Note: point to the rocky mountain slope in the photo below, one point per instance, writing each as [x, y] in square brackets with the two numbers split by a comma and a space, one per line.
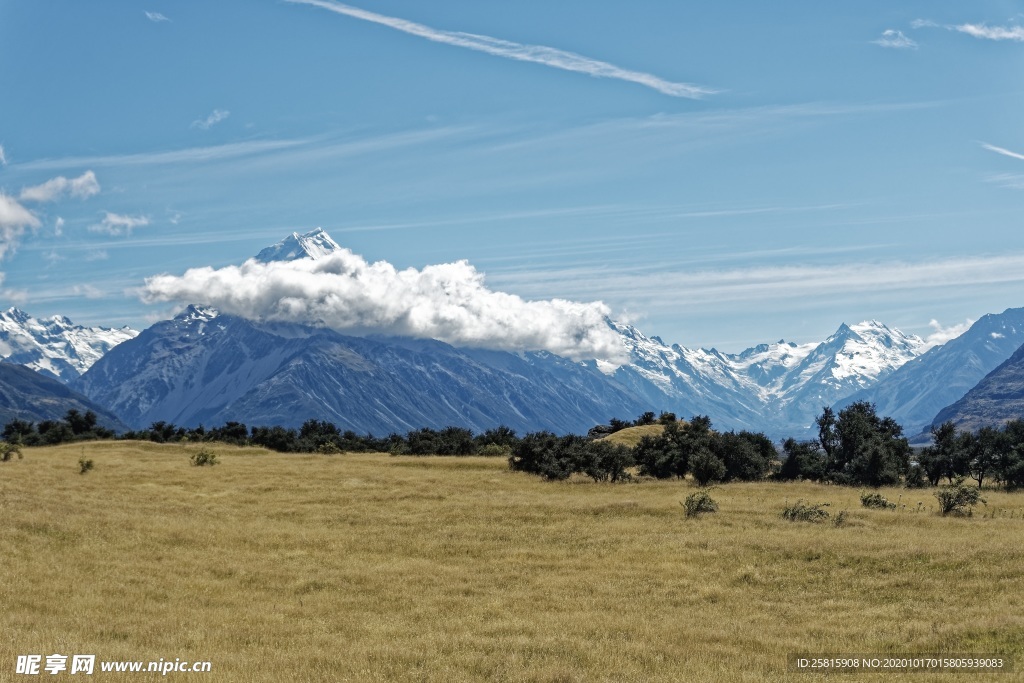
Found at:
[29, 395]
[206, 368]
[997, 398]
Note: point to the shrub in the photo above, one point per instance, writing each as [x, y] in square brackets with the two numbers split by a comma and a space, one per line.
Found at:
[805, 512]
[958, 498]
[204, 457]
[699, 502]
[494, 449]
[876, 500]
[8, 451]
[84, 465]
[328, 448]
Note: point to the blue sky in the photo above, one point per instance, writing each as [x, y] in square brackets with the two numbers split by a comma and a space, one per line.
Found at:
[743, 171]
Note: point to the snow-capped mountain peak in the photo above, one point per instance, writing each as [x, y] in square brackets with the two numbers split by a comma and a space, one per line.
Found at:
[314, 244]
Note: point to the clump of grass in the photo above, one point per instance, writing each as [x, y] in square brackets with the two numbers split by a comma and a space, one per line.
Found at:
[876, 500]
[699, 502]
[9, 450]
[328, 448]
[204, 457]
[958, 498]
[85, 465]
[806, 512]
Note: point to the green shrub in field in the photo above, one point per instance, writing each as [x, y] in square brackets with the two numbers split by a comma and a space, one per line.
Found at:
[204, 457]
[699, 502]
[958, 498]
[876, 500]
[8, 451]
[496, 449]
[328, 448]
[805, 512]
[84, 465]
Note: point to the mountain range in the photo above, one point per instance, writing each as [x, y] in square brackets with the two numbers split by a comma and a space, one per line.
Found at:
[55, 347]
[914, 394]
[209, 367]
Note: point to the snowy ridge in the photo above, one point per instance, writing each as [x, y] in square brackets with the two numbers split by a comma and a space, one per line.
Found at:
[777, 387]
[55, 346]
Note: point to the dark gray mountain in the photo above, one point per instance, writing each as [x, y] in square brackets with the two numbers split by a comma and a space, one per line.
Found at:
[997, 398]
[917, 391]
[206, 368]
[28, 395]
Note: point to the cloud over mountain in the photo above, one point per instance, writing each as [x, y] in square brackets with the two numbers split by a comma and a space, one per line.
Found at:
[343, 291]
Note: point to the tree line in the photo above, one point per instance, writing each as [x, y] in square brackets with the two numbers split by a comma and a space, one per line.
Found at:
[854, 447]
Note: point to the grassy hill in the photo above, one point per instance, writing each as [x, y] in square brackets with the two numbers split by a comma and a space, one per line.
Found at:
[630, 436]
[377, 568]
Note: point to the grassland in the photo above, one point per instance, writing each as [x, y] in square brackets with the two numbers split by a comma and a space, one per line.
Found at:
[378, 568]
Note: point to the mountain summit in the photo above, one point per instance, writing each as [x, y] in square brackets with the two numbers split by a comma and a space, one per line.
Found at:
[314, 244]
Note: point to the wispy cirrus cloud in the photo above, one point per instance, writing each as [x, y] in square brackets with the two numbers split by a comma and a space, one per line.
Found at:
[987, 32]
[1004, 152]
[156, 17]
[538, 54]
[119, 224]
[895, 39]
[983, 31]
[215, 117]
[3, 156]
[1012, 181]
[763, 288]
[82, 187]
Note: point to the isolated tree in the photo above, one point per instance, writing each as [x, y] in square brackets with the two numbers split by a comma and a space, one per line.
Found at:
[982, 450]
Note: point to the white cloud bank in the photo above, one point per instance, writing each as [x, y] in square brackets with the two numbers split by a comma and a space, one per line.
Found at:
[343, 291]
[538, 54]
[82, 187]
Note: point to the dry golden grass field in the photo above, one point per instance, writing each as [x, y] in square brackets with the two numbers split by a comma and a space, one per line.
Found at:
[379, 568]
